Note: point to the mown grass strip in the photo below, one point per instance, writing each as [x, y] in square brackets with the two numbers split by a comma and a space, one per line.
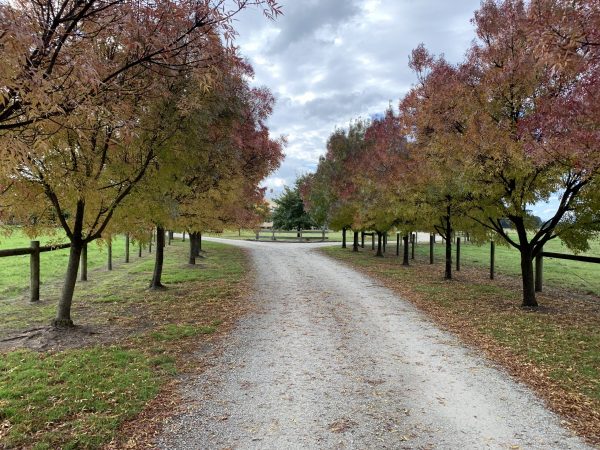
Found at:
[79, 398]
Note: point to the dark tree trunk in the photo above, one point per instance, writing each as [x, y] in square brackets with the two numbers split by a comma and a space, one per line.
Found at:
[63, 315]
[355, 243]
[192, 259]
[448, 238]
[344, 237]
[405, 250]
[196, 244]
[527, 273]
[159, 258]
[379, 245]
[200, 243]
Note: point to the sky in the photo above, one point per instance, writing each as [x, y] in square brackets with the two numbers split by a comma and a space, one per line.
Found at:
[330, 61]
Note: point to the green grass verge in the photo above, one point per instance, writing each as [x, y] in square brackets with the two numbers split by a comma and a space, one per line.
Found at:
[78, 398]
[74, 399]
[580, 276]
[15, 269]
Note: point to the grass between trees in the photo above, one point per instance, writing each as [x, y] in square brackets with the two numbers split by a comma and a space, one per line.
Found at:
[575, 275]
[78, 389]
[555, 349]
[15, 269]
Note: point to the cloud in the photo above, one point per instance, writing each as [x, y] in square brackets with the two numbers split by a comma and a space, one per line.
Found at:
[329, 61]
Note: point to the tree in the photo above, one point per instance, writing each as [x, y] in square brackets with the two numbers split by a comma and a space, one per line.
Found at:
[289, 213]
[529, 133]
[87, 102]
[436, 183]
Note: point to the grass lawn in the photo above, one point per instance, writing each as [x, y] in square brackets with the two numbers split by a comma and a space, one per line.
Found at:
[129, 344]
[584, 277]
[556, 349]
[15, 269]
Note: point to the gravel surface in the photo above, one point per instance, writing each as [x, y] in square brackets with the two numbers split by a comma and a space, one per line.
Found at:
[332, 360]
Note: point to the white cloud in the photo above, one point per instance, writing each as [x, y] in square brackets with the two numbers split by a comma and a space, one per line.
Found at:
[329, 61]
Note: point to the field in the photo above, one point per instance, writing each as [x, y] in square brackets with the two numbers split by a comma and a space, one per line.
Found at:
[78, 389]
[15, 269]
[580, 276]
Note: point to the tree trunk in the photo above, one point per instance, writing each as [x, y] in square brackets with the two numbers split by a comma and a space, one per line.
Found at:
[379, 246]
[200, 243]
[355, 244]
[63, 314]
[159, 259]
[196, 244]
[527, 274]
[344, 237]
[405, 250]
[192, 259]
[63, 317]
[448, 237]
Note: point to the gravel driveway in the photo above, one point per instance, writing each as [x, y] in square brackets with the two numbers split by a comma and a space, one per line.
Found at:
[332, 360]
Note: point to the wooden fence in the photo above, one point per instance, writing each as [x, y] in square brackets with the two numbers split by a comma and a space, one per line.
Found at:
[34, 250]
[292, 235]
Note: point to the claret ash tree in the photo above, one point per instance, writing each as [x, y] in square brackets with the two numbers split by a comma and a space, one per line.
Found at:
[531, 124]
[87, 102]
[437, 185]
[514, 125]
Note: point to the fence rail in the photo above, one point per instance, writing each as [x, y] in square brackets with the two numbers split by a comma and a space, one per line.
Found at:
[31, 250]
[298, 235]
[34, 251]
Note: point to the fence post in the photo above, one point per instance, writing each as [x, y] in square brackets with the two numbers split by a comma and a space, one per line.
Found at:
[373, 240]
[126, 247]
[397, 244]
[183, 237]
[83, 263]
[344, 237]
[34, 268]
[110, 255]
[414, 240]
[273, 234]
[492, 257]
[431, 242]
[257, 234]
[539, 270]
[323, 231]
[140, 250]
[169, 237]
[458, 254]
[362, 239]
[150, 244]
[300, 236]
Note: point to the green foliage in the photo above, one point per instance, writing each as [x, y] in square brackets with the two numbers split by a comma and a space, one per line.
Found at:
[290, 213]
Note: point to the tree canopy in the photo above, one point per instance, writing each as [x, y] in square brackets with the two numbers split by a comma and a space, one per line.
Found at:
[289, 214]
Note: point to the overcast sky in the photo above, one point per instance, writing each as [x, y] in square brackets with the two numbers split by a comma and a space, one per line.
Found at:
[329, 61]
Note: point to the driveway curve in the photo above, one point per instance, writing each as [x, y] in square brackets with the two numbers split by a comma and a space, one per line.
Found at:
[329, 359]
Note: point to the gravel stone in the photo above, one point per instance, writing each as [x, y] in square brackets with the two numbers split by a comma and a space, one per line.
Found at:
[329, 359]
